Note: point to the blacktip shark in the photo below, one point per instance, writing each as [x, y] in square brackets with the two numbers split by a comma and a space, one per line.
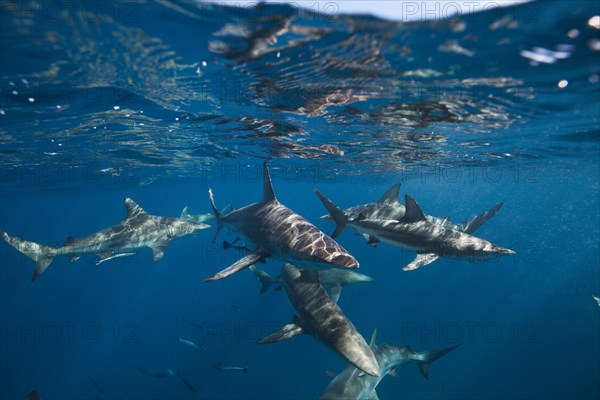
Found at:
[388, 207]
[138, 229]
[414, 232]
[276, 231]
[332, 280]
[352, 383]
[319, 315]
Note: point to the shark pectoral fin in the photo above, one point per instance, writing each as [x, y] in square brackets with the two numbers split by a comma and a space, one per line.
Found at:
[393, 372]
[330, 374]
[421, 260]
[286, 332]
[41, 266]
[373, 396]
[424, 369]
[244, 262]
[158, 250]
[335, 292]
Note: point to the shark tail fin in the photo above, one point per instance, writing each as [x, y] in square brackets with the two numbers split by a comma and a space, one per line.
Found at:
[424, 358]
[218, 215]
[42, 255]
[338, 215]
[471, 225]
[265, 279]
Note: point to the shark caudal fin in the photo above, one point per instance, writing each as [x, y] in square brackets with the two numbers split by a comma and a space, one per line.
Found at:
[42, 255]
[338, 215]
[217, 213]
[471, 225]
[265, 279]
[424, 358]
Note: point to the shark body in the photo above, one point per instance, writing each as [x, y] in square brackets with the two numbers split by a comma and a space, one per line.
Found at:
[353, 384]
[319, 315]
[414, 232]
[278, 232]
[388, 207]
[138, 229]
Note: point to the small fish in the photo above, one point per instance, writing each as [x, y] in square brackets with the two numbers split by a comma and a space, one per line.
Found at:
[597, 299]
[199, 326]
[100, 261]
[229, 367]
[186, 383]
[152, 374]
[191, 344]
[98, 387]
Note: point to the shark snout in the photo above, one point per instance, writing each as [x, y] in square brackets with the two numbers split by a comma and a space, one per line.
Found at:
[502, 250]
[499, 250]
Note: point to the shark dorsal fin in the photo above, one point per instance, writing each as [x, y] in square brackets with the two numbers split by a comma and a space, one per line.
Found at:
[373, 340]
[133, 209]
[391, 195]
[185, 213]
[413, 211]
[268, 194]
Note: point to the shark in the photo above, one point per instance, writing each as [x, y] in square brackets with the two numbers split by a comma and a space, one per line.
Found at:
[138, 229]
[414, 232]
[388, 207]
[353, 384]
[273, 230]
[197, 218]
[332, 280]
[319, 315]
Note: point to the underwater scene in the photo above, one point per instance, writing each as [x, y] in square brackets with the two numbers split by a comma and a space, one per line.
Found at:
[312, 200]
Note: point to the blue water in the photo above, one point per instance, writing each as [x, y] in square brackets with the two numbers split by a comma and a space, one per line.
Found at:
[160, 101]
